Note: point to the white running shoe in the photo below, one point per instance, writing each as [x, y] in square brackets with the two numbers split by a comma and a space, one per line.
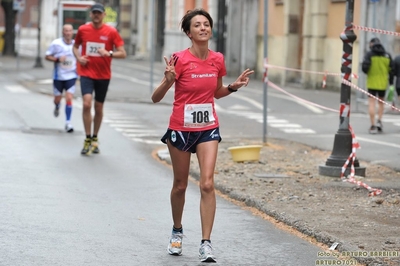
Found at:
[175, 244]
[69, 128]
[206, 252]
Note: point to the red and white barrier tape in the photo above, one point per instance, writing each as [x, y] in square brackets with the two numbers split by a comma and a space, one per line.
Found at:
[357, 27]
[308, 71]
[352, 157]
[265, 77]
[266, 66]
[344, 112]
[325, 74]
[369, 94]
[273, 85]
[324, 80]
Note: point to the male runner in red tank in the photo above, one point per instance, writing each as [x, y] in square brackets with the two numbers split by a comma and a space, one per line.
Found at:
[98, 41]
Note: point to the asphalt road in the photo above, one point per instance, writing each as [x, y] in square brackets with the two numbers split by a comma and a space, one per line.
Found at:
[60, 208]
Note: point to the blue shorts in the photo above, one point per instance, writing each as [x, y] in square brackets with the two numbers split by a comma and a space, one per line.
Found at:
[188, 140]
[60, 85]
[99, 86]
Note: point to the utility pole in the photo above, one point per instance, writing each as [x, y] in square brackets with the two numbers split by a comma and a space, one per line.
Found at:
[265, 85]
[342, 147]
[360, 97]
[38, 62]
[152, 22]
[221, 26]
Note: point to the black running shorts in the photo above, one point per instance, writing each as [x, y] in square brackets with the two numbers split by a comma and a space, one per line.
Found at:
[188, 140]
[99, 86]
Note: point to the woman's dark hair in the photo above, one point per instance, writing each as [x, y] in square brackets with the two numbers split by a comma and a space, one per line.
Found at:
[185, 22]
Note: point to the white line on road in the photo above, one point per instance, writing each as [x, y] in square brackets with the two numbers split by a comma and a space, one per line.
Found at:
[271, 121]
[119, 121]
[238, 107]
[118, 125]
[253, 116]
[299, 130]
[306, 105]
[251, 101]
[45, 81]
[276, 95]
[379, 142]
[284, 125]
[154, 142]
[128, 130]
[131, 135]
[17, 89]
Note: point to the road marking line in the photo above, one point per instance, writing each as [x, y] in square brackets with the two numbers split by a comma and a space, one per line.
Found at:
[285, 125]
[238, 107]
[299, 130]
[251, 101]
[154, 142]
[130, 135]
[379, 142]
[118, 121]
[117, 125]
[130, 130]
[17, 89]
[391, 120]
[270, 121]
[45, 81]
[254, 116]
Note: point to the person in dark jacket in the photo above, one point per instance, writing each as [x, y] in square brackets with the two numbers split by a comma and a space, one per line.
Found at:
[396, 73]
[378, 65]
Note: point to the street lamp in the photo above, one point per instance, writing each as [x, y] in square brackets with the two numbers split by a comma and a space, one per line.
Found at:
[38, 62]
[343, 139]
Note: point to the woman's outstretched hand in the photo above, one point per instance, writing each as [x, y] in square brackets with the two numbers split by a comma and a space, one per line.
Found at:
[242, 80]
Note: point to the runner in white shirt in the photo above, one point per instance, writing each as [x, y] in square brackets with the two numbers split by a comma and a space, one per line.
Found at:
[64, 74]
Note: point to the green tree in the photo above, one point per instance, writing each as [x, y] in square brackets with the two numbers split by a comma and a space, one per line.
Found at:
[9, 34]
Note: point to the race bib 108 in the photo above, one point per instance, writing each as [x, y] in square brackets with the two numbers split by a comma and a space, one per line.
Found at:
[198, 115]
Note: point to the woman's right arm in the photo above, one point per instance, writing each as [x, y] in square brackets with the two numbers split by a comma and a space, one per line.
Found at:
[161, 90]
[167, 81]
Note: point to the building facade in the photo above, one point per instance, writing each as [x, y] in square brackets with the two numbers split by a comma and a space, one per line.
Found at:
[302, 34]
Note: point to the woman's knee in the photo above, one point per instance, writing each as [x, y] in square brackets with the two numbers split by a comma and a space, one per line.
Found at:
[180, 187]
[207, 186]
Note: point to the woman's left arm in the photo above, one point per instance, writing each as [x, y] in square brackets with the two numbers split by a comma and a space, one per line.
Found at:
[242, 80]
